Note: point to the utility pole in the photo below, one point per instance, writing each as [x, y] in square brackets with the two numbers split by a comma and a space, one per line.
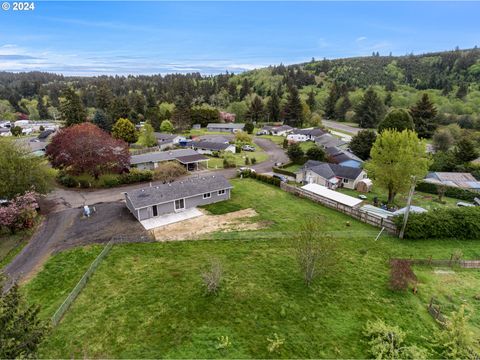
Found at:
[409, 203]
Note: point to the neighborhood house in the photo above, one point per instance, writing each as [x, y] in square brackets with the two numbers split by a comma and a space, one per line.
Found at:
[310, 134]
[282, 130]
[454, 179]
[328, 140]
[343, 157]
[191, 159]
[174, 197]
[329, 175]
[225, 127]
[207, 147]
[168, 140]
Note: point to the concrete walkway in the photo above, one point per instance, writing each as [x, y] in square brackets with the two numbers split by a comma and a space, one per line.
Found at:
[167, 219]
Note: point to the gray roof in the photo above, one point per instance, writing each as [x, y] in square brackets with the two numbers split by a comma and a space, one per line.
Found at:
[191, 158]
[159, 156]
[328, 140]
[207, 145]
[163, 137]
[213, 138]
[188, 187]
[340, 155]
[226, 126]
[277, 128]
[327, 170]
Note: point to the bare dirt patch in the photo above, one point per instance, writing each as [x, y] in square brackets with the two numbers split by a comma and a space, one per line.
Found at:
[199, 227]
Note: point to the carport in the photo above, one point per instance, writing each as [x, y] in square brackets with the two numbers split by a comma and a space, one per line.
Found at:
[191, 162]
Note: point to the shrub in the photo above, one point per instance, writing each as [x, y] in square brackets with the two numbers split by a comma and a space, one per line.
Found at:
[229, 160]
[401, 274]
[169, 171]
[212, 278]
[459, 223]
[263, 178]
[136, 175]
[387, 342]
[452, 192]
[253, 161]
[109, 180]
[85, 181]
[67, 180]
[20, 213]
[283, 171]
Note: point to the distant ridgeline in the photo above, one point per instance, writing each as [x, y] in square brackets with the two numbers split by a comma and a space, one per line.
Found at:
[449, 76]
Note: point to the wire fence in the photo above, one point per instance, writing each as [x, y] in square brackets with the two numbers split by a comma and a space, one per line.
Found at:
[81, 284]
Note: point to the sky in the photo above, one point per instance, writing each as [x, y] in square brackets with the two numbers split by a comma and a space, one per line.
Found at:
[107, 37]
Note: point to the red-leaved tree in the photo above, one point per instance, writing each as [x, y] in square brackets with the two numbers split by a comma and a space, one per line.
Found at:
[85, 148]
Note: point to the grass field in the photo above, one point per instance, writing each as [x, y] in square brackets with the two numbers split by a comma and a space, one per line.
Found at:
[259, 154]
[146, 300]
[12, 244]
[425, 200]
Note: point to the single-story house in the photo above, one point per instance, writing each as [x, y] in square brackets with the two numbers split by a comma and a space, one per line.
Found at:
[225, 127]
[208, 147]
[297, 137]
[214, 138]
[343, 157]
[454, 179]
[165, 140]
[330, 175]
[280, 130]
[310, 134]
[187, 157]
[177, 196]
[196, 127]
[328, 140]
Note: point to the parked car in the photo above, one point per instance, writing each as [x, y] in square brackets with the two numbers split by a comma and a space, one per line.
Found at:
[280, 177]
[248, 148]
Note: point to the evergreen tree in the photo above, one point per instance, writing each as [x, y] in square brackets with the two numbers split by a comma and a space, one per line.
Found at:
[101, 120]
[120, 108]
[311, 102]
[423, 114]
[22, 330]
[465, 151]
[273, 108]
[370, 110]
[293, 109]
[181, 115]
[362, 143]
[72, 109]
[245, 89]
[388, 99]
[42, 109]
[125, 130]
[462, 91]
[104, 97]
[295, 153]
[331, 101]
[255, 110]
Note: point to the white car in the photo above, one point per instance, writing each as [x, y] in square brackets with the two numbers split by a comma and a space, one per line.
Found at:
[248, 148]
[245, 169]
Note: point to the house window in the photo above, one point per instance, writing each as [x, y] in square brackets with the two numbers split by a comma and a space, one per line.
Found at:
[345, 181]
[179, 204]
[221, 192]
[207, 195]
[155, 210]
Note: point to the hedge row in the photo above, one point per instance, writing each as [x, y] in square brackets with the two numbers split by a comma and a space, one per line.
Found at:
[452, 192]
[458, 223]
[264, 178]
[104, 181]
[283, 172]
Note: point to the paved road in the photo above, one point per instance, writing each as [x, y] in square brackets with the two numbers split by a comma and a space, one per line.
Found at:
[64, 227]
[341, 127]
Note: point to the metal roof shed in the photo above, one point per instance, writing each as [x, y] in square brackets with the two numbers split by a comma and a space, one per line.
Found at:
[332, 195]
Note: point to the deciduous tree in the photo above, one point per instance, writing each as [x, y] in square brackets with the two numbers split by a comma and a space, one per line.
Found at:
[397, 119]
[166, 126]
[147, 136]
[395, 158]
[169, 171]
[85, 148]
[295, 153]
[21, 171]
[316, 153]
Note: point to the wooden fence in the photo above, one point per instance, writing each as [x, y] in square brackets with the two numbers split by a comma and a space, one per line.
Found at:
[467, 264]
[354, 212]
[145, 151]
[434, 310]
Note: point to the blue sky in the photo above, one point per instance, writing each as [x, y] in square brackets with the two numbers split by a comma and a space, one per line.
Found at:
[93, 38]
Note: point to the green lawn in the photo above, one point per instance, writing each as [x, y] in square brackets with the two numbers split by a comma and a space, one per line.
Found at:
[425, 200]
[305, 145]
[12, 244]
[276, 139]
[293, 168]
[146, 300]
[259, 154]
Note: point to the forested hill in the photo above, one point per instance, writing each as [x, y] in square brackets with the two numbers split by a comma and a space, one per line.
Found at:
[451, 78]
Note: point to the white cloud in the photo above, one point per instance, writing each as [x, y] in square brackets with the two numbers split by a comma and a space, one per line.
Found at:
[361, 38]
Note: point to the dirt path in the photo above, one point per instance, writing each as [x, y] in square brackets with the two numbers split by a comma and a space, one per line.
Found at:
[198, 227]
[67, 229]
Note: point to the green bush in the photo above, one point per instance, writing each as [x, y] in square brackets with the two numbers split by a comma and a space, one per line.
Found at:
[85, 181]
[135, 176]
[452, 192]
[263, 178]
[109, 180]
[67, 180]
[283, 171]
[457, 223]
